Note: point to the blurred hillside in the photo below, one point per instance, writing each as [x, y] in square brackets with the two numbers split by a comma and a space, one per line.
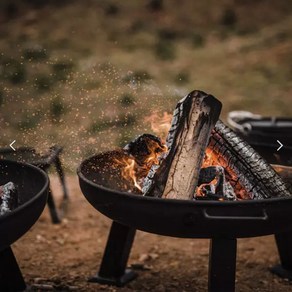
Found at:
[86, 74]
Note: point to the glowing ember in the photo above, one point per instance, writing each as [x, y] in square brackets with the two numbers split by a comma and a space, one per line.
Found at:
[212, 159]
[209, 159]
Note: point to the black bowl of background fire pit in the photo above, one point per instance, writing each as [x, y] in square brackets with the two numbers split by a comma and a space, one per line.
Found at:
[182, 218]
[32, 185]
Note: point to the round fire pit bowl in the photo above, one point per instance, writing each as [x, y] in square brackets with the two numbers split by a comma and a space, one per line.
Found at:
[222, 222]
[183, 218]
[32, 186]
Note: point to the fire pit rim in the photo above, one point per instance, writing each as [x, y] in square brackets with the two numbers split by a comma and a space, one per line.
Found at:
[195, 202]
[36, 197]
[189, 219]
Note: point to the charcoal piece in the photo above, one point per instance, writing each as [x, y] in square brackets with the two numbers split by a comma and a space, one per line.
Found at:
[8, 198]
[178, 173]
[212, 184]
[207, 174]
[144, 146]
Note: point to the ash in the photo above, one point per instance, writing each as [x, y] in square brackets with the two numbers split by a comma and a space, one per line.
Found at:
[7, 192]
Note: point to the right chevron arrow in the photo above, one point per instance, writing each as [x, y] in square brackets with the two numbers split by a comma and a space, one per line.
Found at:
[281, 145]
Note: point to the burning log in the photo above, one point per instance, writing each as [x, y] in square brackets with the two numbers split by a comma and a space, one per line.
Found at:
[145, 149]
[249, 174]
[123, 169]
[188, 167]
[8, 198]
[178, 173]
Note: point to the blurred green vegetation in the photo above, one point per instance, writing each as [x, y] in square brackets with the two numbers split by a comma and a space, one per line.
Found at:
[97, 69]
[127, 99]
[57, 109]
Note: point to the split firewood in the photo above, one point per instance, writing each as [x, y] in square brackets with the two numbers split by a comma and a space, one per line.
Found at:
[249, 174]
[178, 173]
[8, 198]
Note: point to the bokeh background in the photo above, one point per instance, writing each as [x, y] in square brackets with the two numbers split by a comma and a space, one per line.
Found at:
[87, 74]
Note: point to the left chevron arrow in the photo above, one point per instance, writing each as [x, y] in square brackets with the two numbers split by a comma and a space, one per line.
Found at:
[10, 145]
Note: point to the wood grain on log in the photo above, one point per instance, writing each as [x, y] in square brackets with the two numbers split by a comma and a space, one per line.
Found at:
[177, 175]
[247, 169]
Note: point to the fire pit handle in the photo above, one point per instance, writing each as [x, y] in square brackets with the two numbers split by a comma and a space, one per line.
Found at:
[264, 217]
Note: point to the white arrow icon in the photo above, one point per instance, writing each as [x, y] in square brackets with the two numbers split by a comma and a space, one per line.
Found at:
[281, 145]
[11, 145]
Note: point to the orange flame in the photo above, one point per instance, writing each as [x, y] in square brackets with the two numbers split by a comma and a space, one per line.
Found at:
[128, 170]
[136, 169]
[208, 159]
[160, 125]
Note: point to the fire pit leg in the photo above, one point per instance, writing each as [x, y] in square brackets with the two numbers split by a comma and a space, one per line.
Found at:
[222, 265]
[60, 172]
[52, 208]
[113, 266]
[284, 243]
[10, 275]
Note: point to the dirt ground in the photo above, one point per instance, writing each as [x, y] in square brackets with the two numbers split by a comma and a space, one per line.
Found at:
[62, 257]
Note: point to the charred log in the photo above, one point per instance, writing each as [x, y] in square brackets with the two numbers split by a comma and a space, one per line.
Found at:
[8, 198]
[145, 149]
[285, 172]
[122, 169]
[247, 170]
[178, 173]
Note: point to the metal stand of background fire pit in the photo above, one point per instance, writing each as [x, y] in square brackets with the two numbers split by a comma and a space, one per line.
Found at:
[113, 271]
[11, 278]
[29, 155]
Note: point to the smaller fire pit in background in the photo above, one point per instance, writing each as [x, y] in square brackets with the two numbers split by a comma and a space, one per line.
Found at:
[32, 186]
[262, 134]
[43, 161]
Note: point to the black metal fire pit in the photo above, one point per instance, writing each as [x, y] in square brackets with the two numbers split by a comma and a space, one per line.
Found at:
[262, 133]
[32, 185]
[222, 222]
[44, 161]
